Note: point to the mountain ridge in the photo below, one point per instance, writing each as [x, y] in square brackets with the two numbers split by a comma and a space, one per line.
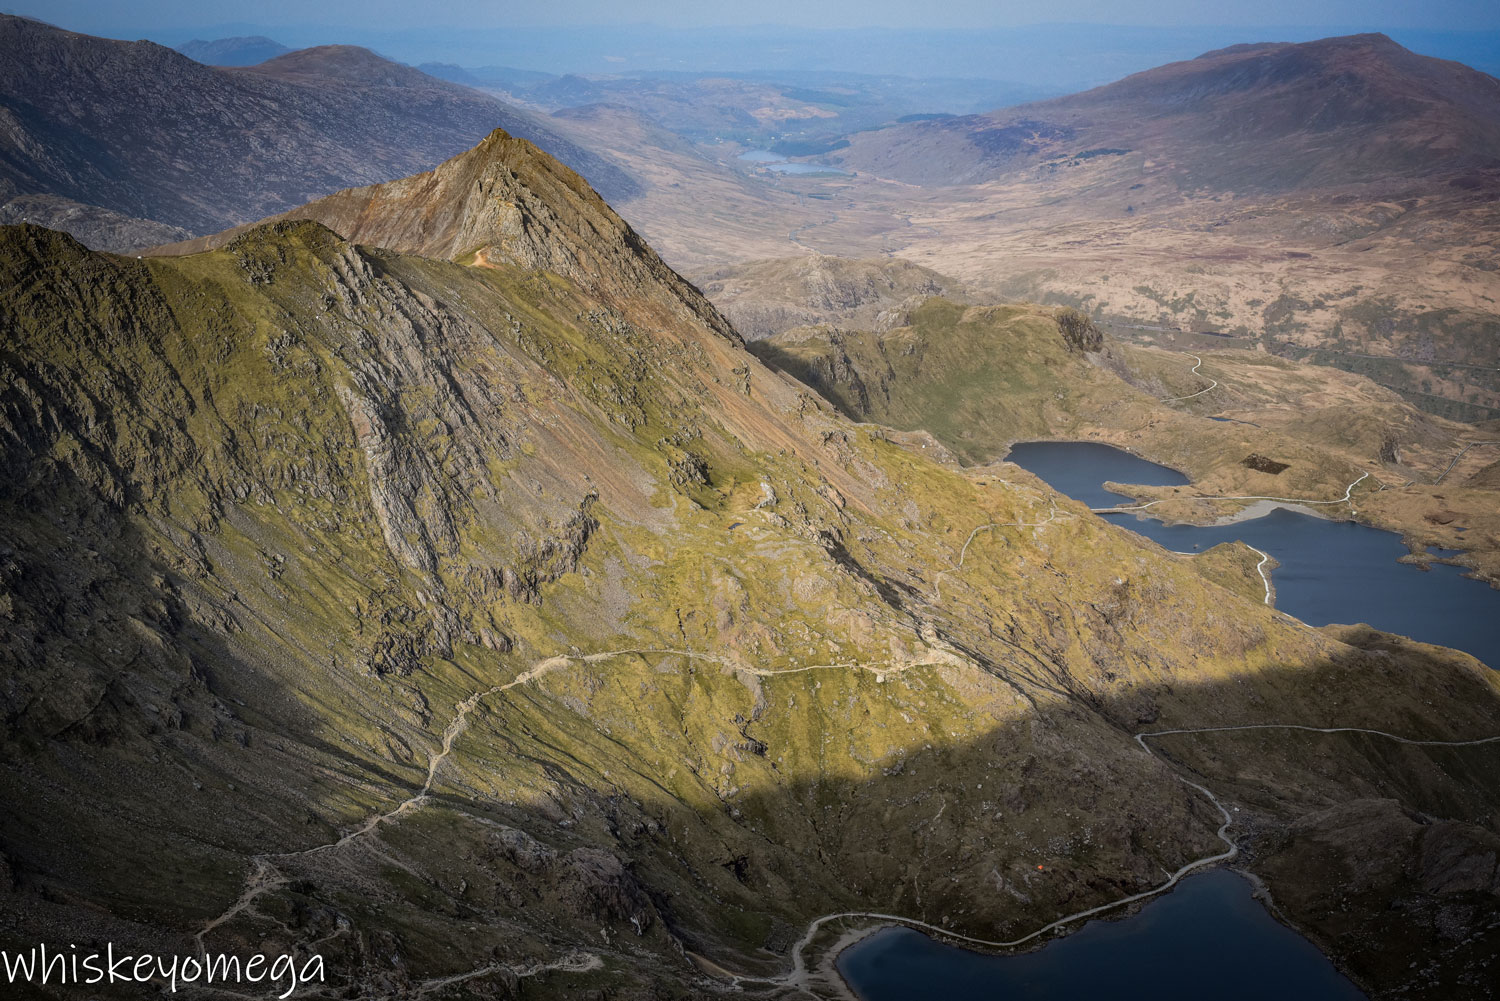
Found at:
[504, 202]
[239, 51]
[1241, 96]
[146, 132]
[479, 624]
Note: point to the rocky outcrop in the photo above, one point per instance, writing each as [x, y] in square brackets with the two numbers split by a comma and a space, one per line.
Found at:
[505, 203]
[1079, 332]
[764, 298]
[1434, 879]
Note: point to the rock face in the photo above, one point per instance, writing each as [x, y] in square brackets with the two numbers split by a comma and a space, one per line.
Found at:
[764, 298]
[507, 626]
[91, 224]
[145, 132]
[504, 203]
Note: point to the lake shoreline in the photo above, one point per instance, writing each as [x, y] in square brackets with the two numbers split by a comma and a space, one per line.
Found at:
[1333, 568]
[922, 961]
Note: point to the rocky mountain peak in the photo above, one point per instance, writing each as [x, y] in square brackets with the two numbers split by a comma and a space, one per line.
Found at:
[506, 203]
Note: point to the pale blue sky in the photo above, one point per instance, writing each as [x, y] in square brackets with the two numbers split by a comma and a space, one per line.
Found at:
[100, 15]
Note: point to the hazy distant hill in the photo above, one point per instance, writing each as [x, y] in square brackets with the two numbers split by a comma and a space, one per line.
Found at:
[244, 51]
[147, 133]
[1270, 117]
[1335, 201]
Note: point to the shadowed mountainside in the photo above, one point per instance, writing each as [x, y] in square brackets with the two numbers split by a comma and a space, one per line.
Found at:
[493, 629]
[140, 130]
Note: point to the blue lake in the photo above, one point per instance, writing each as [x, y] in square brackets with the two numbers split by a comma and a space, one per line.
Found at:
[780, 165]
[1081, 468]
[805, 168]
[1207, 938]
[1331, 571]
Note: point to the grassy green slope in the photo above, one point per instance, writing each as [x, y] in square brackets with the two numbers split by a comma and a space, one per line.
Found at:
[662, 657]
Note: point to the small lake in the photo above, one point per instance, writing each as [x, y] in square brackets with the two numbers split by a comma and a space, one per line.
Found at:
[1206, 938]
[1331, 571]
[773, 161]
[1081, 468]
[806, 168]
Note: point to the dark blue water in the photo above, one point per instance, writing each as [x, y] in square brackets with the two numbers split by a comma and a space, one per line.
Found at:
[1079, 468]
[1207, 938]
[1330, 571]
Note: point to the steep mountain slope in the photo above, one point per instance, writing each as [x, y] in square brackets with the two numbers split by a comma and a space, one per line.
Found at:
[142, 131]
[504, 202]
[505, 628]
[90, 223]
[1270, 118]
[980, 378]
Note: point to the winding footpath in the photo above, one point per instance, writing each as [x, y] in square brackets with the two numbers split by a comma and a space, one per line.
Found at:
[799, 977]
[963, 554]
[1460, 455]
[264, 877]
[1260, 568]
[573, 962]
[1179, 399]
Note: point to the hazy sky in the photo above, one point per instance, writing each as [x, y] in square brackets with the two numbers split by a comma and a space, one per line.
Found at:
[140, 15]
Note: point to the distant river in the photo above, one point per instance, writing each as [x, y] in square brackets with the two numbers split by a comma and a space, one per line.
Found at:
[1331, 571]
[1207, 938]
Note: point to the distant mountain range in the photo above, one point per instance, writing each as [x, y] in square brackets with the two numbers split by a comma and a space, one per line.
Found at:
[803, 109]
[168, 147]
[1266, 117]
[1058, 57]
[242, 51]
[1335, 201]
